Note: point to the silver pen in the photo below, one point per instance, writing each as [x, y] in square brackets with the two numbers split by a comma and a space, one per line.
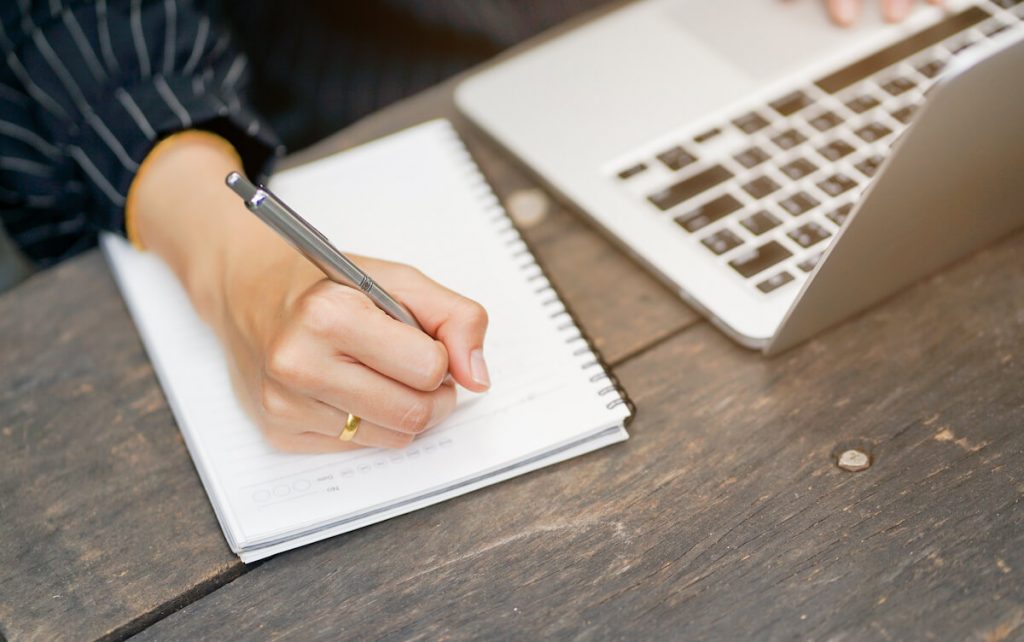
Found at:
[314, 246]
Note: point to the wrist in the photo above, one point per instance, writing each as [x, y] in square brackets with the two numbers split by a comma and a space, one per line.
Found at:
[179, 208]
[153, 190]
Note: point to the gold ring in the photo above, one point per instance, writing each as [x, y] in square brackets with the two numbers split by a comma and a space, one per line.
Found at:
[351, 427]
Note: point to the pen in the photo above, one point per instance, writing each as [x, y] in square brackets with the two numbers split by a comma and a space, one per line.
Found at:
[314, 246]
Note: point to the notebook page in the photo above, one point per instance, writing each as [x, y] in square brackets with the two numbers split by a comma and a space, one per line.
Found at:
[394, 509]
[442, 218]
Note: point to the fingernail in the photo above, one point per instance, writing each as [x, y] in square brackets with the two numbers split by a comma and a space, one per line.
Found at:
[846, 11]
[896, 10]
[478, 368]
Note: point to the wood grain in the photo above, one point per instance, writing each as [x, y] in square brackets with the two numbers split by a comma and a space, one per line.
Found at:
[724, 517]
[104, 526]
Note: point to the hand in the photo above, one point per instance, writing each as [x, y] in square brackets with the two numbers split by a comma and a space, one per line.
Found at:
[846, 12]
[309, 351]
[305, 351]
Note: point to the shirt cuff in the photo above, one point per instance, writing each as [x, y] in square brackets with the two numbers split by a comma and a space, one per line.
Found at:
[134, 119]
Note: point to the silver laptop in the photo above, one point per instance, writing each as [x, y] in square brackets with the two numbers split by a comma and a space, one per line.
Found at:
[779, 173]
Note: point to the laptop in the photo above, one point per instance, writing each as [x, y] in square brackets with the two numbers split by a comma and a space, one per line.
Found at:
[779, 173]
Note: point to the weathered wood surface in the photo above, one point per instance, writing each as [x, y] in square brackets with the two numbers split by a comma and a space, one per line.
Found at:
[104, 526]
[724, 517]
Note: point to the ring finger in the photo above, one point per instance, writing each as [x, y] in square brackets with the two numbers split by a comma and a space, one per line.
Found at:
[294, 415]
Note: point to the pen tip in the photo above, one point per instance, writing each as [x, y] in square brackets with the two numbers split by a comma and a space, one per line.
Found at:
[232, 179]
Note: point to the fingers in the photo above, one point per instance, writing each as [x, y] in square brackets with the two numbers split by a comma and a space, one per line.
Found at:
[399, 351]
[457, 322]
[896, 10]
[293, 422]
[337, 319]
[383, 401]
[340, 354]
[845, 12]
[348, 320]
[353, 387]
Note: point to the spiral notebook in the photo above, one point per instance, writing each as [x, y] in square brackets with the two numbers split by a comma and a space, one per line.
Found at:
[421, 200]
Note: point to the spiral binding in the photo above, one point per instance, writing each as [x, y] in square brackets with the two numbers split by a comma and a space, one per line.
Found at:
[605, 383]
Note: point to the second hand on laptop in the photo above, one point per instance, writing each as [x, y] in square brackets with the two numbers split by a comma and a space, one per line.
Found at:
[305, 238]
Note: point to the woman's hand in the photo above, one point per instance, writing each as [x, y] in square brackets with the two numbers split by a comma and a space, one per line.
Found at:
[846, 12]
[305, 351]
[309, 351]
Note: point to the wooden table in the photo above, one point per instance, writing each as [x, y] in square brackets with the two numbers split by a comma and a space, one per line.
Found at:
[725, 516]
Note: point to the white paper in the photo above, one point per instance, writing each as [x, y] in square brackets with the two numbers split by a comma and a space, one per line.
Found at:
[414, 197]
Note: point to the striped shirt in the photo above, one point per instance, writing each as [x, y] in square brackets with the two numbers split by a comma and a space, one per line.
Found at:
[88, 87]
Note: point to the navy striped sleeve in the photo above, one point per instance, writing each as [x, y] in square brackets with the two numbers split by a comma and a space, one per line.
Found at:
[86, 90]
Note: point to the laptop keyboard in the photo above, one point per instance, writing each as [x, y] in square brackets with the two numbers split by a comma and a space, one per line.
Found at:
[767, 189]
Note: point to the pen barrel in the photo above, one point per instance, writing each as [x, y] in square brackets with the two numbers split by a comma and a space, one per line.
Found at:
[316, 247]
[388, 303]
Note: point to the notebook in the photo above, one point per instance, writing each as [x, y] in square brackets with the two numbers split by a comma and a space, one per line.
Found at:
[421, 200]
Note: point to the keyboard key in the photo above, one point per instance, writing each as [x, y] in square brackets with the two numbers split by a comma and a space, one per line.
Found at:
[788, 139]
[751, 157]
[761, 186]
[898, 86]
[836, 149]
[799, 168]
[873, 131]
[722, 241]
[808, 264]
[759, 259]
[837, 184]
[869, 165]
[826, 121]
[708, 213]
[905, 113]
[961, 45]
[931, 69]
[760, 222]
[676, 158]
[995, 29]
[861, 104]
[630, 172]
[798, 203]
[706, 136]
[791, 103]
[840, 214]
[808, 234]
[775, 282]
[750, 123]
[686, 189]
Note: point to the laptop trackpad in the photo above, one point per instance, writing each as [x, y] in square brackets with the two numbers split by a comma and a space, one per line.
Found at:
[770, 38]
